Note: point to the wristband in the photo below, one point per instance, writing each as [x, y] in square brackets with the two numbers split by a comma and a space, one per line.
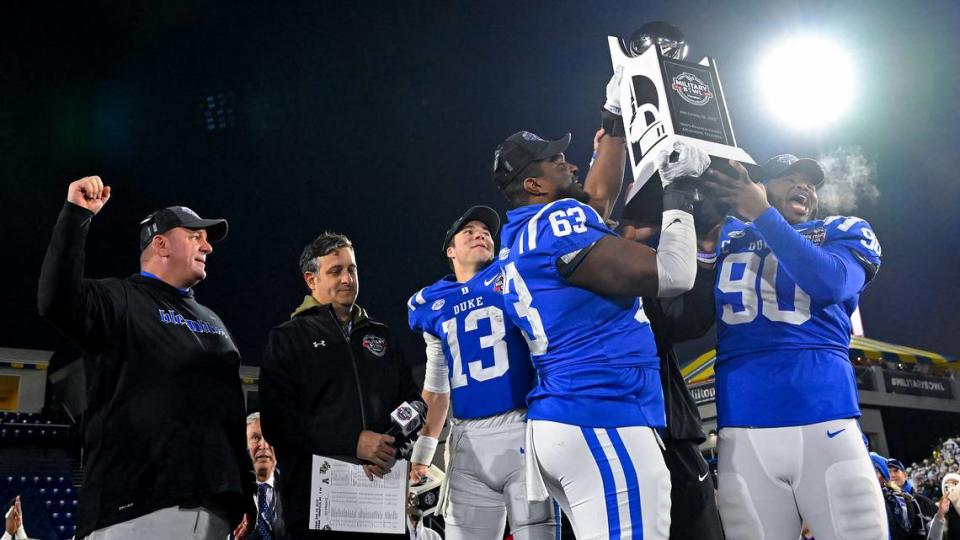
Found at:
[612, 124]
[707, 257]
[423, 450]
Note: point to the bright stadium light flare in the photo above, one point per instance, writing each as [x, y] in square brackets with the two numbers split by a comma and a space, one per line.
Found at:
[807, 82]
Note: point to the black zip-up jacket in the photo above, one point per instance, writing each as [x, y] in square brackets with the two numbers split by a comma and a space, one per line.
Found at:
[673, 320]
[320, 386]
[164, 423]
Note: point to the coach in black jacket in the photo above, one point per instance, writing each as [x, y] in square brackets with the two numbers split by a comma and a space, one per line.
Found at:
[163, 429]
[329, 379]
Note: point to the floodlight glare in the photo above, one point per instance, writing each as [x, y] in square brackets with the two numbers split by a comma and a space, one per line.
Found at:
[807, 82]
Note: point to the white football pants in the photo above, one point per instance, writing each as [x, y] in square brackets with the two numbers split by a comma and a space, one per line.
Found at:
[771, 479]
[611, 482]
[486, 486]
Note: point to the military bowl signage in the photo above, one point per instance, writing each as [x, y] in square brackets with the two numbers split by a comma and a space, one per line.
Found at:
[917, 384]
[704, 392]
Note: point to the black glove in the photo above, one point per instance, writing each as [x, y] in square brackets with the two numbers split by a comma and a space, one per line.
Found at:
[681, 194]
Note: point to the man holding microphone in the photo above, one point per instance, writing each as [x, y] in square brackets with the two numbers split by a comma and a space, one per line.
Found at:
[330, 378]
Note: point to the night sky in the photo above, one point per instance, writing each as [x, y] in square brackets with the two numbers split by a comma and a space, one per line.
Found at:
[380, 121]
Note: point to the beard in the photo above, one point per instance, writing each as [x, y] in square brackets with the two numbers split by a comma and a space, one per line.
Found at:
[574, 191]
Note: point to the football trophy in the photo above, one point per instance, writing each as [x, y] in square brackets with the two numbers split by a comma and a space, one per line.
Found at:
[665, 99]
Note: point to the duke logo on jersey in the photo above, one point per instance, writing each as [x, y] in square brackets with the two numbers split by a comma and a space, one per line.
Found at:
[595, 356]
[488, 361]
[782, 350]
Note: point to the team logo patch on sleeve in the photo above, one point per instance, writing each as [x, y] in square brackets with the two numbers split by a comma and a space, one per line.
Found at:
[815, 235]
[375, 344]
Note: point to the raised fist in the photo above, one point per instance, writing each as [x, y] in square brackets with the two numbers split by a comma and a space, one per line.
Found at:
[89, 192]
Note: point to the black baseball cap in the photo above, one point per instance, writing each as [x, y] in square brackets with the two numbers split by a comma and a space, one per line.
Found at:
[163, 220]
[484, 214]
[521, 149]
[785, 164]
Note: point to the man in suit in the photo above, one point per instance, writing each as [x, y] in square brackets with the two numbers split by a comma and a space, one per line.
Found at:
[269, 525]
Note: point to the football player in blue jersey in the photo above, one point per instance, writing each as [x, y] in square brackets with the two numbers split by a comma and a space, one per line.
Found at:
[790, 445]
[477, 357]
[572, 286]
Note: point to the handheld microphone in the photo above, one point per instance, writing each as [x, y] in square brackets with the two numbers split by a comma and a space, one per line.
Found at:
[405, 422]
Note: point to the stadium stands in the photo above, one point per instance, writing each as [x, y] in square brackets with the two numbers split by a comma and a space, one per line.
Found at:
[35, 464]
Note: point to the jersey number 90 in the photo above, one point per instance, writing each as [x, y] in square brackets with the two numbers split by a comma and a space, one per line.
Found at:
[766, 302]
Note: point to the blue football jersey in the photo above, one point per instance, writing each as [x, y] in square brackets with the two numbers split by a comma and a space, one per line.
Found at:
[782, 351]
[595, 356]
[487, 357]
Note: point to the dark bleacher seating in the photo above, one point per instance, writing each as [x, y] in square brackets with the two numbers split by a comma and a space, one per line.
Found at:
[35, 464]
[53, 503]
[32, 428]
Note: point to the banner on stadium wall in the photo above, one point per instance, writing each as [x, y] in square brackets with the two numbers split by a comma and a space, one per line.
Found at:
[865, 380]
[703, 393]
[9, 392]
[917, 384]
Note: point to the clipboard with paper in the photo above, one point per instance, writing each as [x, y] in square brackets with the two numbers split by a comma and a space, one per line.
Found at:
[342, 498]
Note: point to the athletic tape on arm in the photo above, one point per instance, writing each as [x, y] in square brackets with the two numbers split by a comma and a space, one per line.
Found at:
[676, 254]
[423, 450]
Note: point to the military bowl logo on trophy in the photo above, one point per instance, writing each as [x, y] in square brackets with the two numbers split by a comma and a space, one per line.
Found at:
[691, 89]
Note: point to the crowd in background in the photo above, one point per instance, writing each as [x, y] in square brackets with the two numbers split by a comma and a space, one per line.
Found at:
[926, 475]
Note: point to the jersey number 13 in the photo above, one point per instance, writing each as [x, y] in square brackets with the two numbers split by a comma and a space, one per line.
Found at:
[501, 360]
